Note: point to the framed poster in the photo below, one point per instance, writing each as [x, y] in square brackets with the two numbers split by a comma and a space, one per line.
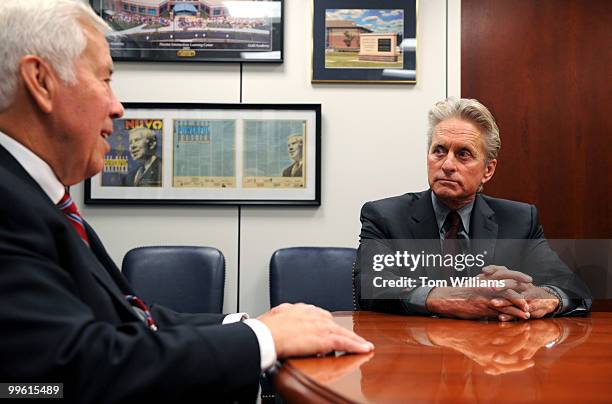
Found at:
[236, 154]
[195, 30]
[364, 41]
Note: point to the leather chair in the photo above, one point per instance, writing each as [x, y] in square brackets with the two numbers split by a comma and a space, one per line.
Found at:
[316, 275]
[184, 279]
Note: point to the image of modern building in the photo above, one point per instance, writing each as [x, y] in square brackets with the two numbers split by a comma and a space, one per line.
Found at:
[155, 8]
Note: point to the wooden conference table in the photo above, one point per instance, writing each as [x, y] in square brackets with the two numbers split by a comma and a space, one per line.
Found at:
[421, 359]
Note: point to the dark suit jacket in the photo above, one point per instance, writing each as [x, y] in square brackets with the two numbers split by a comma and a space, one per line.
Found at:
[151, 178]
[287, 171]
[64, 318]
[411, 217]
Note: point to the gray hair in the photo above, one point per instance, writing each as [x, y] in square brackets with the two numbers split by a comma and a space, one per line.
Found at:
[472, 111]
[47, 28]
[148, 134]
[296, 136]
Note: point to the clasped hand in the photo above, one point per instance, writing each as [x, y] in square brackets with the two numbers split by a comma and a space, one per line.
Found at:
[517, 299]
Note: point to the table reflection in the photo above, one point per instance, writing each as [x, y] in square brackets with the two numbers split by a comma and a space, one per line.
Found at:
[464, 359]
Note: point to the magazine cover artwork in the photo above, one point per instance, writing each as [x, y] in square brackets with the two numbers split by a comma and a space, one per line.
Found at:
[274, 154]
[204, 153]
[211, 154]
[135, 158]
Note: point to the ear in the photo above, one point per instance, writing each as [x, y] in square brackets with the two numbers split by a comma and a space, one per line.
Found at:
[39, 80]
[489, 171]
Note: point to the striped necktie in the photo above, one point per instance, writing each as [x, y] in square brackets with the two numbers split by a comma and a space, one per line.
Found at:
[142, 310]
[452, 225]
[69, 208]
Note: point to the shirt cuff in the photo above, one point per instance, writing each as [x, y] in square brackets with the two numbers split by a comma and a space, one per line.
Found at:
[267, 350]
[563, 299]
[234, 318]
[417, 299]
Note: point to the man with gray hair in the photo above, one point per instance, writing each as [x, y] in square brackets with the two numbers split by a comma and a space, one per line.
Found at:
[295, 147]
[142, 144]
[463, 145]
[67, 315]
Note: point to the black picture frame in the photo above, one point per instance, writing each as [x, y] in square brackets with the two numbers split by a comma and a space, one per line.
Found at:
[212, 154]
[252, 32]
[364, 41]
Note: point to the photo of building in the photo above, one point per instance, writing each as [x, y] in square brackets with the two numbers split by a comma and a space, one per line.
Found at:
[363, 38]
[342, 35]
[190, 26]
[156, 8]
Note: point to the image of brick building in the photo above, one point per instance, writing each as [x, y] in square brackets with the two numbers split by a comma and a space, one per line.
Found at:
[343, 36]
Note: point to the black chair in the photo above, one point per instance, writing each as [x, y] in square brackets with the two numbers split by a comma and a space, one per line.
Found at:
[184, 279]
[317, 275]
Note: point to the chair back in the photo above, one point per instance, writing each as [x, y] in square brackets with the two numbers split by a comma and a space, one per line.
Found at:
[183, 278]
[316, 275]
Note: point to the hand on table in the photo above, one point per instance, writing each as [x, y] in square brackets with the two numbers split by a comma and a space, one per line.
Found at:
[303, 329]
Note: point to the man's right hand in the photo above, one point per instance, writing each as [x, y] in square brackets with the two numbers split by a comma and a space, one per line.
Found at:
[303, 329]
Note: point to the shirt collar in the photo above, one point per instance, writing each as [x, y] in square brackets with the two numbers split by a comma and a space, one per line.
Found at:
[38, 169]
[442, 210]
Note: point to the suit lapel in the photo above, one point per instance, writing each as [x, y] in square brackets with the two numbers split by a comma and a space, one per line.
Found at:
[106, 272]
[484, 229]
[102, 267]
[423, 223]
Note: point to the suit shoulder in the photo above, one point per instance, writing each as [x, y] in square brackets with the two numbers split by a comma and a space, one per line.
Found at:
[395, 202]
[499, 204]
[15, 192]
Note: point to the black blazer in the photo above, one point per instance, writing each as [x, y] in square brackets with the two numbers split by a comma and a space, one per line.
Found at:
[150, 178]
[412, 217]
[287, 170]
[64, 318]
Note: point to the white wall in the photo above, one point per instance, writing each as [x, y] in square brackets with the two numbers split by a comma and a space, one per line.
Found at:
[373, 146]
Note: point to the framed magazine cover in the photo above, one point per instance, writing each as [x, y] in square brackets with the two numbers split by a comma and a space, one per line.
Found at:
[201, 154]
[194, 30]
[364, 41]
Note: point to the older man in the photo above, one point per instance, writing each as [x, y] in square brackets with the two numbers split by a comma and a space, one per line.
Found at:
[142, 144]
[66, 313]
[521, 279]
[295, 146]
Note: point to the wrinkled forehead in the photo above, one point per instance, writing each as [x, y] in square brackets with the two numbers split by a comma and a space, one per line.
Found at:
[458, 130]
[295, 139]
[137, 134]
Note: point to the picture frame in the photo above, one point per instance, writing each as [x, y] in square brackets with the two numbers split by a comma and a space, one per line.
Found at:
[211, 154]
[194, 31]
[364, 41]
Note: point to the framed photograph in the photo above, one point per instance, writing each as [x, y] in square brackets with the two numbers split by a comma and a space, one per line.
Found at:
[364, 41]
[194, 154]
[194, 30]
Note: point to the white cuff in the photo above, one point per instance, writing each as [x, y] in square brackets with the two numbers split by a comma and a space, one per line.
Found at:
[234, 318]
[267, 350]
